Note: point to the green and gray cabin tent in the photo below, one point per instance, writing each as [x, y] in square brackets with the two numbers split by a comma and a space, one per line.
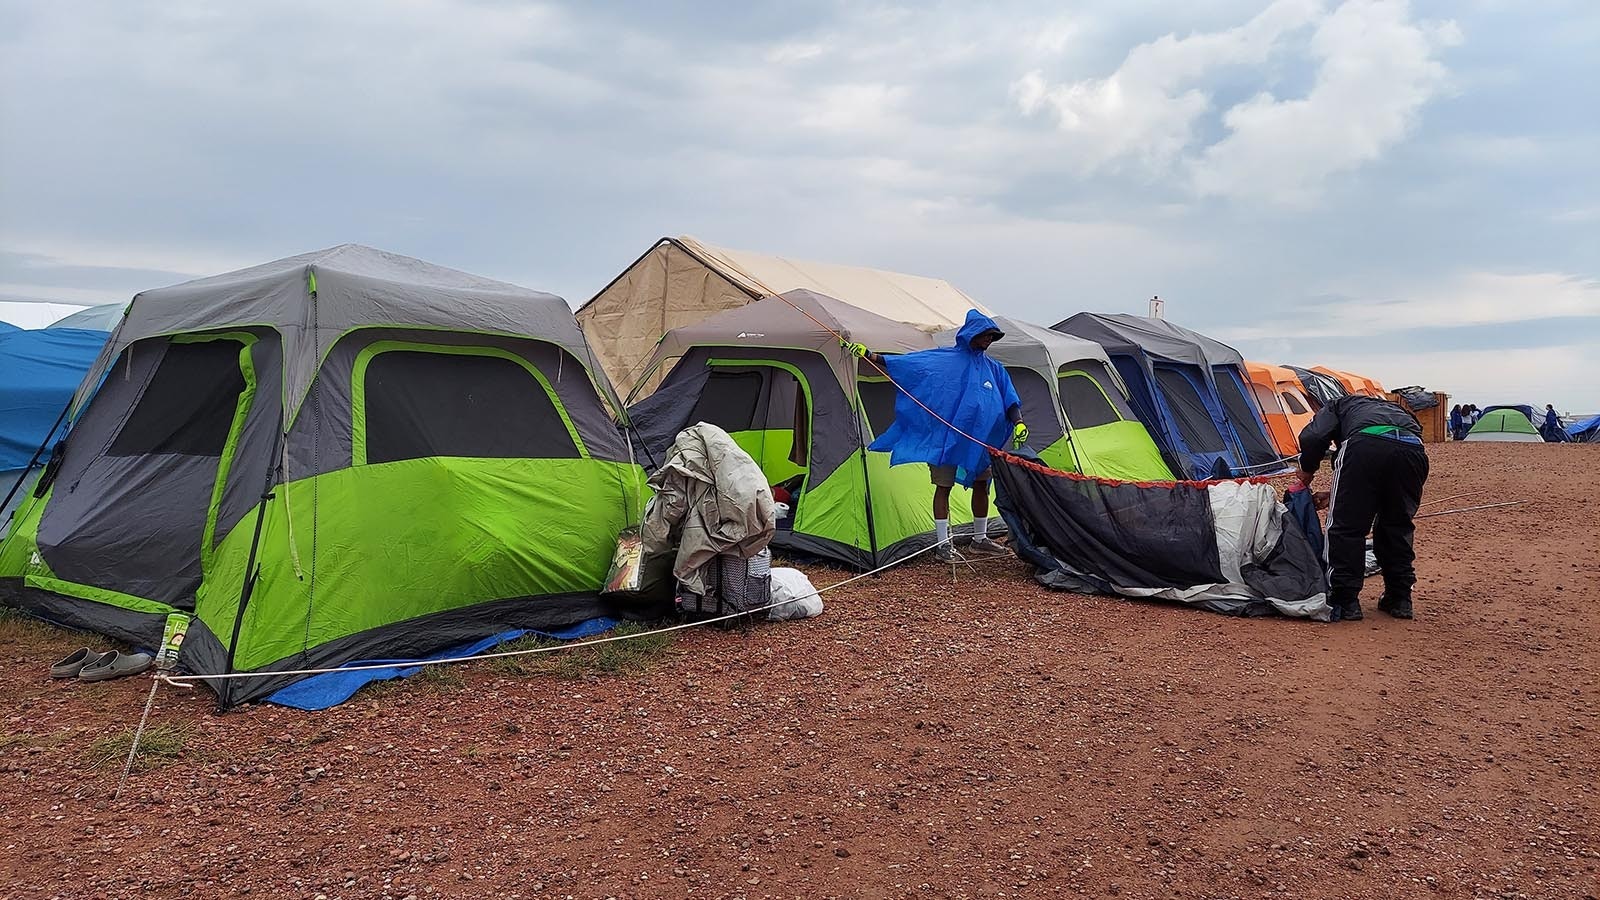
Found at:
[774, 376]
[1075, 404]
[440, 458]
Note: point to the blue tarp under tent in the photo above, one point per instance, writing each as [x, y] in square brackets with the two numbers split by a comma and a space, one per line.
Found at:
[1172, 377]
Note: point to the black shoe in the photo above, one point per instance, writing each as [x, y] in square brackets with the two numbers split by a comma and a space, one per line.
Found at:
[1400, 609]
[1346, 612]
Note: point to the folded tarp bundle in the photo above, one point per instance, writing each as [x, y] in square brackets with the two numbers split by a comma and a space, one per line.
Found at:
[1226, 546]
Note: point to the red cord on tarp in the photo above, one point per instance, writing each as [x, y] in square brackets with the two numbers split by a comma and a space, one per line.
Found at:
[1001, 454]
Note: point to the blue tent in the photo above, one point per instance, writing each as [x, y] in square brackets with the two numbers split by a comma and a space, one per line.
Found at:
[39, 371]
[1586, 431]
[1172, 383]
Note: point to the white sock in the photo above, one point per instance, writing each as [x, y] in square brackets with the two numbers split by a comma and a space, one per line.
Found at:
[941, 530]
[980, 527]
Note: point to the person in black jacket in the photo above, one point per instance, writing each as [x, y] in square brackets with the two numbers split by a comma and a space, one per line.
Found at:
[1377, 478]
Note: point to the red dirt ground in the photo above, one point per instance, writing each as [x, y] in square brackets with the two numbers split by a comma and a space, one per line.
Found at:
[923, 738]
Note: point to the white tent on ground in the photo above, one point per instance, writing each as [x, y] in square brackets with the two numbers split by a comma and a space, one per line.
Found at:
[680, 281]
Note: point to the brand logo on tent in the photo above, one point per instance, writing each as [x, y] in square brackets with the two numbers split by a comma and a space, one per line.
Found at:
[751, 334]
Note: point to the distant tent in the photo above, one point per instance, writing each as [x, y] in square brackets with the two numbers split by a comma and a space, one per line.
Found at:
[1527, 411]
[96, 318]
[806, 410]
[441, 464]
[1285, 405]
[680, 281]
[1586, 431]
[1353, 383]
[1173, 383]
[1076, 406]
[39, 371]
[1321, 388]
[1504, 424]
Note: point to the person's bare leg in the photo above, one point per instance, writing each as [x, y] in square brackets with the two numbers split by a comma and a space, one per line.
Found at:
[941, 503]
[980, 500]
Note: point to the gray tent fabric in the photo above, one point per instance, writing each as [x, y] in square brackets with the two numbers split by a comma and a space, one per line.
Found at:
[798, 320]
[710, 499]
[1132, 335]
[354, 287]
[96, 318]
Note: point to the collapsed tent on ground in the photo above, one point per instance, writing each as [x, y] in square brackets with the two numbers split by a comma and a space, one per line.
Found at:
[1188, 390]
[1283, 403]
[680, 281]
[806, 410]
[1321, 389]
[1585, 431]
[1504, 423]
[1075, 404]
[39, 371]
[1353, 383]
[1226, 546]
[440, 459]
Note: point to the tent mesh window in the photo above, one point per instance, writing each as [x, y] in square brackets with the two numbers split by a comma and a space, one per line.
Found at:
[422, 404]
[1245, 421]
[877, 398]
[729, 401]
[1293, 403]
[1085, 404]
[1194, 420]
[188, 407]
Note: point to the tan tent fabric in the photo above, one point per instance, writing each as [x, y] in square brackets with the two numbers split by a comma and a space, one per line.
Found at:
[681, 281]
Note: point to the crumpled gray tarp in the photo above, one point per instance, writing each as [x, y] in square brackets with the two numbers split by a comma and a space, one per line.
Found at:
[712, 498]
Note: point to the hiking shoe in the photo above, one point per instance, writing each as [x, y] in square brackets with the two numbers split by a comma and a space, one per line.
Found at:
[983, 546]
[947, 554]
[72, 665]
[115, 665]
[1400, 609]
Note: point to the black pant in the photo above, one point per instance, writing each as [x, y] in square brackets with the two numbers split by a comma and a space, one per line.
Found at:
[1375, 480]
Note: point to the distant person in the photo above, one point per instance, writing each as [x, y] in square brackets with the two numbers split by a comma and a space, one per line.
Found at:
[969, 390]
[1377, 477]
[1552, 424]
[1457, 429]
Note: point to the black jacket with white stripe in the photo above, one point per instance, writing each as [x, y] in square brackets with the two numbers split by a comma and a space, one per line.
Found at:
[1346, 416]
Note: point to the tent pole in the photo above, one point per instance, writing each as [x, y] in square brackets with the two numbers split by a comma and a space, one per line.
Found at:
[274, 469]
[36, 454]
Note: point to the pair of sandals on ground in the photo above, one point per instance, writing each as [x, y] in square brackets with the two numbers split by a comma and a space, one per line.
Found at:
[87, 665]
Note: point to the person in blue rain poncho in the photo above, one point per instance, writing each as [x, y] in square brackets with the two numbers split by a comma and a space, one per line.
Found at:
[969, 390]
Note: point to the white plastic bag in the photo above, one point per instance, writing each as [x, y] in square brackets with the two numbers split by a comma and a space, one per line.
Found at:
[795, 596]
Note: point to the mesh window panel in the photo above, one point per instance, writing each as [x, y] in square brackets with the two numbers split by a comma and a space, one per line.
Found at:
[421, 404]
[729, 401]
[1266, 398]
[1084, 403]
[1194, 420]
[1098, 372]
[188, 407]
[1245, 423]
[878, 399]
[1293, 404]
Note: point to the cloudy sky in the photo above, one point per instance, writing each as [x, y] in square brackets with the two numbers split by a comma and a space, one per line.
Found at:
[1408, 190]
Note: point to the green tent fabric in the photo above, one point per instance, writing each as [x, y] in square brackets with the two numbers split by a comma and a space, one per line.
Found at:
[1075, 404]
[436, 452]
[1504, 425]
[774, 376]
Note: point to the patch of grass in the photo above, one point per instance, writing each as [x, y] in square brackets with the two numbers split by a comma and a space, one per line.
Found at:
[160, 744]
[440, 677]
[17, 626]
[629, 657]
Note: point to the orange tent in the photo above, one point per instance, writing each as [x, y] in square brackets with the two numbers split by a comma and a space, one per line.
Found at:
[1283, 402]
[1355, 384]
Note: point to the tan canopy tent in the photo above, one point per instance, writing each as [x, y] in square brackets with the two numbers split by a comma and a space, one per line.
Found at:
[681, 281]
